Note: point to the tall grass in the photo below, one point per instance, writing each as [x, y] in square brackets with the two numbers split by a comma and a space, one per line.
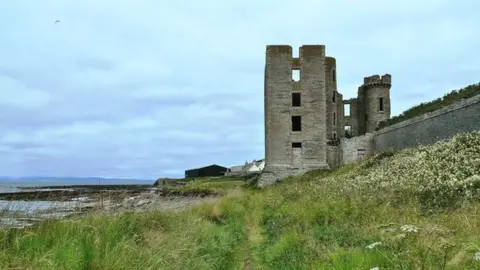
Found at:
[413, 209]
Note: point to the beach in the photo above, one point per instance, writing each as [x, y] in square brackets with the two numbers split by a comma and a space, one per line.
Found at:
[22, 206]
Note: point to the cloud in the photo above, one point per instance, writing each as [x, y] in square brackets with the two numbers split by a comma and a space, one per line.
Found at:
[148, 88]
[16, 95]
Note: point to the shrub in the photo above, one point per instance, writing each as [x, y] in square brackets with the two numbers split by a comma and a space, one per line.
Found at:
[440, 176]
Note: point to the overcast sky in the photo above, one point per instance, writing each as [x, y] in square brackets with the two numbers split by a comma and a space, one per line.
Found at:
[148, 88]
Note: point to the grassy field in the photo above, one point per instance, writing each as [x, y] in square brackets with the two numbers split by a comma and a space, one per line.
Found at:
[413, 209]
[204, 186]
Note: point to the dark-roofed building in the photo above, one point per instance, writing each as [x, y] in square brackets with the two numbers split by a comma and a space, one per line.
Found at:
[211, 170]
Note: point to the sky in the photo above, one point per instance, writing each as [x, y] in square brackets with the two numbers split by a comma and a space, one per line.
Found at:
[149, 88]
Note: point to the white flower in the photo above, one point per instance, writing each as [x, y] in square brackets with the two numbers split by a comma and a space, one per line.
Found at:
[476, 256]
[375, 268]
[371, 246]
[409, 229]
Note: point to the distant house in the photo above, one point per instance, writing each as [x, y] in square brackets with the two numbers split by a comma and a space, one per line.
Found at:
[255, 166]
[211, 170]
[235, 170]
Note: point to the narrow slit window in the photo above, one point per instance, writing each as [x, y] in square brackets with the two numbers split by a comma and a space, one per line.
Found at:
[334, 136]
[296, 123]
[346, 108]
[296, 100]
[296, 145]
[334, 96]
[296, 75]
[334, 75]
[334, 119]
[380, 101]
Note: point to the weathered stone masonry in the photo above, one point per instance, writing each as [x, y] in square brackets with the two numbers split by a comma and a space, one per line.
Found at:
[462, 116]
[304, 119]
[315, 138]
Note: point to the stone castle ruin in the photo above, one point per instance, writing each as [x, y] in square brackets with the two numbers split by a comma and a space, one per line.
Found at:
[306, 117]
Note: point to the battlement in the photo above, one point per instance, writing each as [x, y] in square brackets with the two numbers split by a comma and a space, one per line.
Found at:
[305, 50]
[376, 80]
[331, 62]
[274, 50]
[312, 50]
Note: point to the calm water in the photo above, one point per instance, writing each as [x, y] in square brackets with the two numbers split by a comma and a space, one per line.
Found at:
[13, 185]
[18, 214]
[8, 188]
[23, 213]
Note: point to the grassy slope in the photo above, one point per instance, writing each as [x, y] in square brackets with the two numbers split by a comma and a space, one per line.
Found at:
[205, 186]
[316, 221]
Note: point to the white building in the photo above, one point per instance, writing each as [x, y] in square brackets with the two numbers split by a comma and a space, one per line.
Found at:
[256, 166]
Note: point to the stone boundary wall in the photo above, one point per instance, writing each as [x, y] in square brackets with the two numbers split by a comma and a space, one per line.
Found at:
[354, 149]
[444, 123]
[333, 156]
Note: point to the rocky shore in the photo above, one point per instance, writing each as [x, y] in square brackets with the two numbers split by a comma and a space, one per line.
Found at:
[26, 208]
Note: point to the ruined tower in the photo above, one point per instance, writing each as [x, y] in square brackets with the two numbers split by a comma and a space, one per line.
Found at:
[305, 115]
[296, 119]
[332, 99]
[374, 102]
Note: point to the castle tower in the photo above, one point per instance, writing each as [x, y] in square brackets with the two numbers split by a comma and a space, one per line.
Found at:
[295, 111]
[332, 99]
[374, 102]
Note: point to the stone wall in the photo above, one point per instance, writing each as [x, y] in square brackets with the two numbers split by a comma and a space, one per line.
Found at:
[333, 156]
[463, 116]
[309, 152]
[374, 89]
[278, 87]
[331, 103]
[355, 148]
[352, 116]
[340, 115]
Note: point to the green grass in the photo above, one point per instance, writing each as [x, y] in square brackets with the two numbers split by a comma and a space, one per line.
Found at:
[205, 185]
[320, 220]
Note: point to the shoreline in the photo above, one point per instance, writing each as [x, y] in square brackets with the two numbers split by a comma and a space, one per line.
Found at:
[25, 208]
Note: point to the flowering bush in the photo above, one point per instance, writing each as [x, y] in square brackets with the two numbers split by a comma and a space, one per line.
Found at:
[440, 175]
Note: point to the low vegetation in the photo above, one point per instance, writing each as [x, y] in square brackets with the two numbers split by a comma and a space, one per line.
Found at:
[412, 209]
[448, 99]
[202, 186]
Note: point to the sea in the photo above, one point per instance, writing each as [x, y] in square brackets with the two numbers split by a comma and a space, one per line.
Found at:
[10, 184]
[18, 214]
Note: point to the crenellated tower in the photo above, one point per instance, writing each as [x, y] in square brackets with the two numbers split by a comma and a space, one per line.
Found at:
[305, 115]
[373, 102]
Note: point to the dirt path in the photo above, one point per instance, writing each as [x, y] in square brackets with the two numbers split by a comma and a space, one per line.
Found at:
[253, 219]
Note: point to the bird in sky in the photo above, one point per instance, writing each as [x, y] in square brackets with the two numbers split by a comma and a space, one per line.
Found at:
[57, 21]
